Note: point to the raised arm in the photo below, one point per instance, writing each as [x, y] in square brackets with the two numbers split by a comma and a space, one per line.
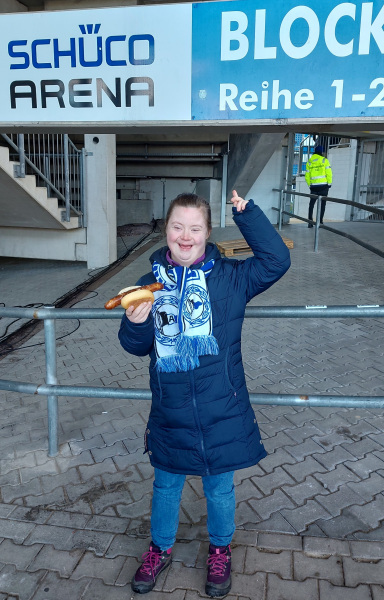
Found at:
[271, 258]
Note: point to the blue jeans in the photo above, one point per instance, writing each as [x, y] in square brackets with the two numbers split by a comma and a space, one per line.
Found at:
[219, 492]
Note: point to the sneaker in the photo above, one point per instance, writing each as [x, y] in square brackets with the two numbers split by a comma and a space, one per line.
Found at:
[219, 571]
[154, 562]
[310, 225]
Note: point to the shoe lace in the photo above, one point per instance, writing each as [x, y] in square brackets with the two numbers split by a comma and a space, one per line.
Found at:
[217, 564]
[151, 561]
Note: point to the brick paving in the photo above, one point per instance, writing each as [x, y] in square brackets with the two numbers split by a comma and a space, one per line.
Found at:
[309, 516]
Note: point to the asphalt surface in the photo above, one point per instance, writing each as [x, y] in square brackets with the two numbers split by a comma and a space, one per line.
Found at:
[309, 516]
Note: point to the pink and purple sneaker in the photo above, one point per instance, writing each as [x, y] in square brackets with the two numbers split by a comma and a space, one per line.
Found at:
[154, 562]
[219, 571]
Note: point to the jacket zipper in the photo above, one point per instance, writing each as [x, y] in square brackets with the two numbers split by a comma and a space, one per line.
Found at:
[197, 419]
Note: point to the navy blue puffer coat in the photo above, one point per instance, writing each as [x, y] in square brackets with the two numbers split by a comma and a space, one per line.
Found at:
[201, 421]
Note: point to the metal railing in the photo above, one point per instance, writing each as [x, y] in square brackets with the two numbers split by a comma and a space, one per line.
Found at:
[53, 390]
[317, 224]
[369, 184]
[56, 163]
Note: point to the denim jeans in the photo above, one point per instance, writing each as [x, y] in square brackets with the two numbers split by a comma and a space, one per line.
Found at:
[219, 492]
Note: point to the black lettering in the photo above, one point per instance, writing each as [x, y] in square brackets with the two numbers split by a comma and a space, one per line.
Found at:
[101, 86]
[30, 94]
[74, 93]
[53, 93]
[129, 92]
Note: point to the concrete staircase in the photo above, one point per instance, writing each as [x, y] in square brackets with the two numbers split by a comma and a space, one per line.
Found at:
[24, 204]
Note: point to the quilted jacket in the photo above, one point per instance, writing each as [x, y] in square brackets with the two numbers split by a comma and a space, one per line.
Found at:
[201, 421]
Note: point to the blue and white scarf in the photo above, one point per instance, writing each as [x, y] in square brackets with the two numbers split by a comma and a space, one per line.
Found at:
[182, 317]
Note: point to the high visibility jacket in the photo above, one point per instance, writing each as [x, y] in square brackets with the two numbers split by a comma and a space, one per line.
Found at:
[318, 171]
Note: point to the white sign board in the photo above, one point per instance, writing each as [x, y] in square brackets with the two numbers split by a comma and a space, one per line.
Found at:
[117, 64]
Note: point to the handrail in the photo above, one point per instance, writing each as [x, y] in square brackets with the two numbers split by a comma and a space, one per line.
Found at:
[366, 207]
[319, 225]
[53, 390]
[33, 166]
[263, 312]
[65, 198]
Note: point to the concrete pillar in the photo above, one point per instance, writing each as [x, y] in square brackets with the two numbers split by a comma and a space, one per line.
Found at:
[100, 198]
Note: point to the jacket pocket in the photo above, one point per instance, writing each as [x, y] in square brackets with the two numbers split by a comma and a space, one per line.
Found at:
[147, 442]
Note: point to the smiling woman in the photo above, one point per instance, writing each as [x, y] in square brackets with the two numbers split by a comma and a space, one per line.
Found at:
[187, 232]
[201, 421]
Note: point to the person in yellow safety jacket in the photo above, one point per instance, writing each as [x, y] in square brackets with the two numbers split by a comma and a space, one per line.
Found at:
[318, 176]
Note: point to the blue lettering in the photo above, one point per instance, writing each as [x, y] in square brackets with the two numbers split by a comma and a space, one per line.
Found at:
[108, 57]
[35, 62]
[140, 51]
[151, 49]
[14, 54]
[91, 63]
[57, 53]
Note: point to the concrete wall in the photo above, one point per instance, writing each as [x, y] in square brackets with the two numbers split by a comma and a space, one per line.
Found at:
[342, 161]
[153, 189]
[210, 189]
[261, 191]
[248, 155]
[43, 243]
[142, 200]
[133, 208]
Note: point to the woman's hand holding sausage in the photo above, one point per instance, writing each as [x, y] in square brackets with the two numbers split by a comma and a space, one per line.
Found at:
[238, 202]
[140, 313]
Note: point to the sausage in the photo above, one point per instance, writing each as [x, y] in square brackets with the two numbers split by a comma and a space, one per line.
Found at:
[114, 302]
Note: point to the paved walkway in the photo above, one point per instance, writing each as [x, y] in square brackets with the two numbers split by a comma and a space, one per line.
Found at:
[309, 517]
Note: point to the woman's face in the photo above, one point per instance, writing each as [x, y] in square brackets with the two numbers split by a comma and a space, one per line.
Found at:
[187, 234]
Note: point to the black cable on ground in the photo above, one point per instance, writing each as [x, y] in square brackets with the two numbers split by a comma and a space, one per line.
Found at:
[12, 342]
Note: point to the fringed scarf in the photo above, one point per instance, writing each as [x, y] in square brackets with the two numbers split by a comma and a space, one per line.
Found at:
[182, 317]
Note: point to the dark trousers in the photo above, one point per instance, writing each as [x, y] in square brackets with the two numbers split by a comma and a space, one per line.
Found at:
[320, 190]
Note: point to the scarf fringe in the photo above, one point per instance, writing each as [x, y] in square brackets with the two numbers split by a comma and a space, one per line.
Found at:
[188, 349]
[197, 345]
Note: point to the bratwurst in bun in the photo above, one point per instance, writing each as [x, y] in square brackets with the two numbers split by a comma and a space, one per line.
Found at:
[134, 296]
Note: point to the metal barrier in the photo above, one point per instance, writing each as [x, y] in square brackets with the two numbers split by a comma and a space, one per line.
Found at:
[317, 224]
[52, 390]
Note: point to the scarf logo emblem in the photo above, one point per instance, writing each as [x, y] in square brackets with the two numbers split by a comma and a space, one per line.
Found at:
[196, 309]
[165, 311]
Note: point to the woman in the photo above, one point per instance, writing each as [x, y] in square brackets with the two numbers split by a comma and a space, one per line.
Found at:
[201, 421]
